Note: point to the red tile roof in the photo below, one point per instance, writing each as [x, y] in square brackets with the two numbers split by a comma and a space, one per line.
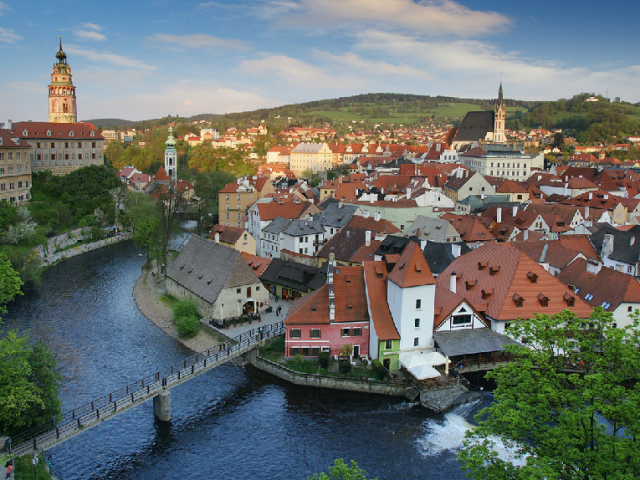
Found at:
[502, 272]
[67, 131]
[227, 234]
[375, 276]
[412, 269]
[258, 264]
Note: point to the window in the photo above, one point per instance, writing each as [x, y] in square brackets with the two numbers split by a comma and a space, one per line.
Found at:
[315, 333]
[294, 333]
[238, 290]
[417, 323]
[345, 332]
[387, 345]
[3, 187]
[257, 289]
[416, 341]
[19, 184]
[461, 320]
[418, 304]
[12, 186]
[629, 308]
[227, 197]
[357, 332]
[1, 170]
[588, 297]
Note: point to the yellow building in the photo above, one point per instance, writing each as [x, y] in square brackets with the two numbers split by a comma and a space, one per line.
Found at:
[316, 157]
[15, 171]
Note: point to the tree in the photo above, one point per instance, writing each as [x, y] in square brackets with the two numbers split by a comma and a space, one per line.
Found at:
[568, 405]
[10, 283]
[143, 215]
[207, 185]
[342, 471]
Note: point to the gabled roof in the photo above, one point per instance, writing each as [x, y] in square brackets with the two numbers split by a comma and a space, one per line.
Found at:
[608, 285]
[369, 223]
[337, 215]
[475, 126]
[412, 269]
[258, 264]
[67, 131]
[350, 300]
[626, 245]
[271, 210]
[434, 229]
[375, 274]
[206, 268]
[346, 245]
[498, 274]
[298, 276]
[227, 234]
[440, 255]
[470, 228]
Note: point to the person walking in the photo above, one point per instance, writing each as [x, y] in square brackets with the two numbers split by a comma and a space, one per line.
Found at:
[9, 470]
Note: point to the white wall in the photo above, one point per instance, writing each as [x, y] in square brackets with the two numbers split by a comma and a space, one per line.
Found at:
[402, 305]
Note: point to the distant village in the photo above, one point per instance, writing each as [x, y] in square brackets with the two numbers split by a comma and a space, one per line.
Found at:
[417, 255]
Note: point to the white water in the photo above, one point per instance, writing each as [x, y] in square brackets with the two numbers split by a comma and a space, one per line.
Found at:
[447, 434]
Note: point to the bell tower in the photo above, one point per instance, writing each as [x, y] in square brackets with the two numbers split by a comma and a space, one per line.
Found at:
[62, 93]
[171, 158]
[499, 119]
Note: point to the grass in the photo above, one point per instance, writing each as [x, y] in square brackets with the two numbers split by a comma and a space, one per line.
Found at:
[23, 468]
[168, 299]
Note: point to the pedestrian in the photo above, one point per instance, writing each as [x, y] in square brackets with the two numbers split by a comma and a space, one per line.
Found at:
[261, 330]
[9, 470]
[276, 298]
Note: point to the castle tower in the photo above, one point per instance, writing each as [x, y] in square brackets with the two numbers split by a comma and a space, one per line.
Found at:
[62, 93]
[171, 158]
[499, 119]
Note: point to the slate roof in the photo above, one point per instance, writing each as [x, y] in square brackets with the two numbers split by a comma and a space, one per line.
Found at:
[475, 126]
[393, 245]
[471, 341]
[294, 275]
[440, 255]
[276, 226]
[480, 203]
[626, 245]
[376, 282]
[337, 216]
[206, 268]
[434, 229]
[608, 285]
[301, 226]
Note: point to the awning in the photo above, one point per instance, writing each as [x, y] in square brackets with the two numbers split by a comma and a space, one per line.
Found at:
[420, 365]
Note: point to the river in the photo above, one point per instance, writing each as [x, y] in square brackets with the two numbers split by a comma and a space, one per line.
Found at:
[230, 423]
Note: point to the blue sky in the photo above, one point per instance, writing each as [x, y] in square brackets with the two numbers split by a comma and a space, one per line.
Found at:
[145, 59]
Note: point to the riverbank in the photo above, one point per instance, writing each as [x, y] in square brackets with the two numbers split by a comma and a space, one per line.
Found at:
[148, 293]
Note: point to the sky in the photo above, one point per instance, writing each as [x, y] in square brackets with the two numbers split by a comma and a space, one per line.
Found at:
[146, 59]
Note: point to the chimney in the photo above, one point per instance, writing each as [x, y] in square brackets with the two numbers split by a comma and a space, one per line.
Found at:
[376, 216]
[606, 197]
[366, 214]
[367, 237]
[341, 203]
[217, 237]
[332, 295]
[566, 189]
[499, 215]
[607, 245]
[525, 235]
[514, 211]
[372, 198]
[590, 196]
[543, 255]
[456, 250]
[586, 213]
[452, 282]
[408, 192]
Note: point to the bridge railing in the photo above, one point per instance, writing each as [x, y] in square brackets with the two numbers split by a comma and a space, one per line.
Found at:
[123, 397]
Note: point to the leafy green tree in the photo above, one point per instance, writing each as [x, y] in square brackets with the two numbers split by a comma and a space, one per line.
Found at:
[47, 379]
[10, 283]
[568, 405]
[207, 185]
[143, 215]
[342, 471]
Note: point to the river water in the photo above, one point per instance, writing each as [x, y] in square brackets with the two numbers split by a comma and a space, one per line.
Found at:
[230, 423]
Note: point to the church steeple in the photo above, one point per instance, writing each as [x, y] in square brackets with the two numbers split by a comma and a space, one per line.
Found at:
[62, 92]
[171, 158]
[499, 118]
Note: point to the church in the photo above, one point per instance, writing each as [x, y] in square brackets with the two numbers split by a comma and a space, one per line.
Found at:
[483, 126]
[61, 145]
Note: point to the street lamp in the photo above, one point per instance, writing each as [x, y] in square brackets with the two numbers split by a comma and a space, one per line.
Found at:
[35, 463]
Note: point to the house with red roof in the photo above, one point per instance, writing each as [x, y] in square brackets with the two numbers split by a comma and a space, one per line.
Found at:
[506, 284]
[235, 237]
[331, 317]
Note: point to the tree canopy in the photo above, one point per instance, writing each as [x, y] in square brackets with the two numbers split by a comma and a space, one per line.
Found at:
[568, 405]
[340, 470]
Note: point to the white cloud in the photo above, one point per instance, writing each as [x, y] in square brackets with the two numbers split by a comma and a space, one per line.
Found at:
[362, 65]
[110, 58]
[8, 36]
[198, 40]
[90, 35]
[298, 73]
[428, 17]
[92, 26]
[4, 8]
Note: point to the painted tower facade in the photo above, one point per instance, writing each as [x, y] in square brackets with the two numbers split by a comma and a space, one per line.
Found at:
[171, 158]
[62, 93]
[499, 119]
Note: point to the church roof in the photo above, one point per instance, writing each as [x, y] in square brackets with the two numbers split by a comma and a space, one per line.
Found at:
[475, 126]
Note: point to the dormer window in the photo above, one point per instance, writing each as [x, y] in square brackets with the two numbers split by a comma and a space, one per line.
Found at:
[93, 134]
[71, 133]
[25, 133]
[471, 283]
[48, 133]
[570, 299]
[494, 269]
[486, 293]
[543, 299]
[482, 265]
[533, 277]
[519, 300]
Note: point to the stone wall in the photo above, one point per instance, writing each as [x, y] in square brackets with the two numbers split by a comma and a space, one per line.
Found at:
[50, 257]
[325, 381]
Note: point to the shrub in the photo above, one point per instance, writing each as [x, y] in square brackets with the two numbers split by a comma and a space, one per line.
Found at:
[324, 359]
[379, 369]
[185, 308]
[345, 367]
[188, 326]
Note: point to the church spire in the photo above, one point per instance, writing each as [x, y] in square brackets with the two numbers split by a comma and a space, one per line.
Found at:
[500, 98]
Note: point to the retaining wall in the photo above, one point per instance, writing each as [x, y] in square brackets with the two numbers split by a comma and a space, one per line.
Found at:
[51, 258]
[325, 381]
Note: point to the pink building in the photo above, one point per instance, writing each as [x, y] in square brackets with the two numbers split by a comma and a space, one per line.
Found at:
[330, 317]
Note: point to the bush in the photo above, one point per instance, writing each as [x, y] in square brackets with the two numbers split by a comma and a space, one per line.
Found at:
[185, 308]
[345, 367]
[379, 369]
[324, 359]
[188, 327]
